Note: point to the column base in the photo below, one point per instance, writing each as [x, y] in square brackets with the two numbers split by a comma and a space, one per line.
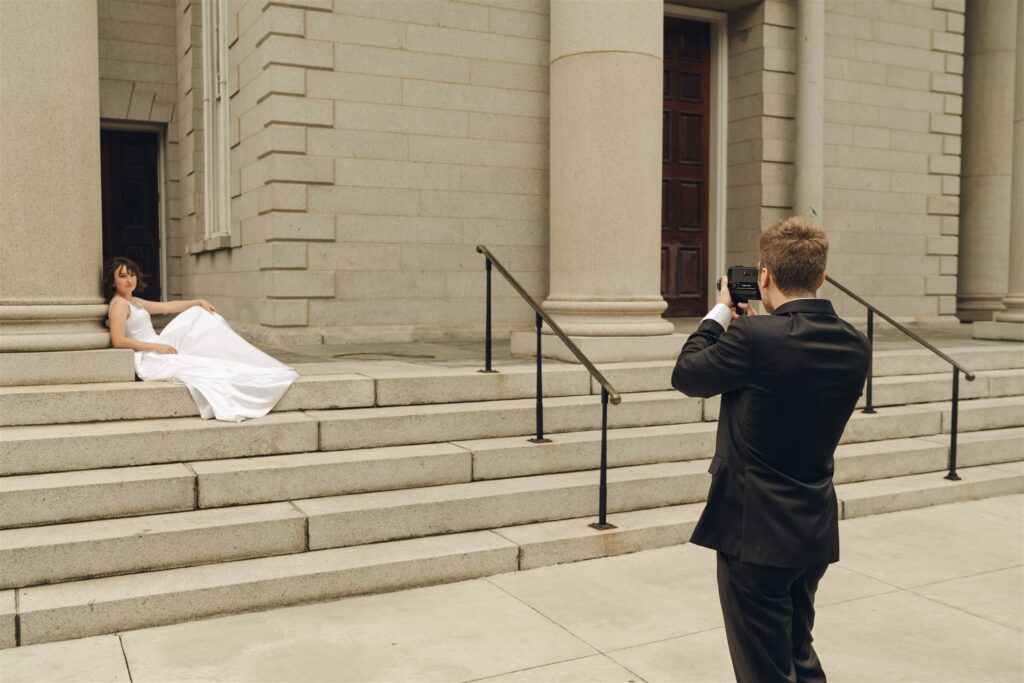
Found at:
[994, 329]
[601, 349]
[610, 318]
[58, 327]
[974, 308]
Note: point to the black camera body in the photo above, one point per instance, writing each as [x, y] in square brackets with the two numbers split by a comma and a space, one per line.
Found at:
[742, 284]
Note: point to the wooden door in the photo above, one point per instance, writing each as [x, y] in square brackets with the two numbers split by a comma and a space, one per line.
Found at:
[131, 200]
[684, 185]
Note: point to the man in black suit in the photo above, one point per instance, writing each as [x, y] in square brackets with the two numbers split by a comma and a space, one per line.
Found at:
[789, 382]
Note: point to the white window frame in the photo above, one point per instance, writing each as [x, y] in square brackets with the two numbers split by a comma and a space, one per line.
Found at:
[216, 153]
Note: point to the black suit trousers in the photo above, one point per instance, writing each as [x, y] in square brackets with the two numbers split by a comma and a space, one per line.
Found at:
[769, 614]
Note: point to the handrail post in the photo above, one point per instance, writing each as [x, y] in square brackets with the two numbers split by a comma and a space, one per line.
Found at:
[488, 343]
[952, 475]
[540, 386]
[602, 489]
[869, 408]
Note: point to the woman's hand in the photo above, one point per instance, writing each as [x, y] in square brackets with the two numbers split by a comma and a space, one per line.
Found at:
[164, 349]
[206, 305]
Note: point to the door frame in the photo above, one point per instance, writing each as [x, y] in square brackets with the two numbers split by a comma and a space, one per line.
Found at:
[718, 144]
[161, 183]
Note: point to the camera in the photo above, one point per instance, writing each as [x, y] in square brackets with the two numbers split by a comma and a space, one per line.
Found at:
[742, 284]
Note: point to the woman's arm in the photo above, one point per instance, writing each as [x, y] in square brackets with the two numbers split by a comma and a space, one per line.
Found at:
[117, 315]
[159, 307]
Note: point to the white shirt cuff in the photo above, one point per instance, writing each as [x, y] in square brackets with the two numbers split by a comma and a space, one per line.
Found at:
[721, 314]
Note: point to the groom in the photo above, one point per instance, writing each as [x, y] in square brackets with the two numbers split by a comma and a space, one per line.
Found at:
[789, 382]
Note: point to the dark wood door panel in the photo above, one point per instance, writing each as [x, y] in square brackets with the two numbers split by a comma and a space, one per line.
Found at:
[131, 220]
[685, 166]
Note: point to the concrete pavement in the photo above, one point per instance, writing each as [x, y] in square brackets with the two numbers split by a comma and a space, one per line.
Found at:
[933, 594]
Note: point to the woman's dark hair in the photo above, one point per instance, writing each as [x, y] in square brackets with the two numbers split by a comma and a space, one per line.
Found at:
[110, 270]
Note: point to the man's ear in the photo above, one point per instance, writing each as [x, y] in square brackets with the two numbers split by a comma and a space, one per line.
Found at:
[763, 278]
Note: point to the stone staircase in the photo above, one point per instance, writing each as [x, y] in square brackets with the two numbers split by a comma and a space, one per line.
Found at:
[121, 509]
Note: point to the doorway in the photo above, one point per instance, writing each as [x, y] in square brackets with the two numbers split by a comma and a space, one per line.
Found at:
[685, 186]
[131, 201]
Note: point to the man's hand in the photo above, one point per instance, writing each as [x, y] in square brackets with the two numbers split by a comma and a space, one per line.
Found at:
[723, 294]
[747, 308]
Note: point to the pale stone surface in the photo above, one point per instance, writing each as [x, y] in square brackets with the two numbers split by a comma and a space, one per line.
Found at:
[382, 638]
[366, 428]
[921, 490]
[596, 669]
[573, 540]
[945, 544]
[95, 494]
[389, 515]
[998, 329]
[90, 659]
[601, 349]
[904, 637]
[996, 596]
[450, 386]
[604, 279]
[83, 608]
[50, 172]
[7, 612]
[134, 544]
[35, 449]
[988, 159]
[66, 367]
[306, 475]
[516, 457]
[627, 600]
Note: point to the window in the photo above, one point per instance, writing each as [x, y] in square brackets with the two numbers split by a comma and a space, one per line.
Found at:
[217, 200]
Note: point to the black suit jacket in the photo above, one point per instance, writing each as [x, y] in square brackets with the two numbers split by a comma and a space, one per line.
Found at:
[789, 383]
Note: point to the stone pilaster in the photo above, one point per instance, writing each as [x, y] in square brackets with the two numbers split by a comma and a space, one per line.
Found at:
[1009, 324]
[605, 242]
[809, 191]
[51, 249]
[989, 55]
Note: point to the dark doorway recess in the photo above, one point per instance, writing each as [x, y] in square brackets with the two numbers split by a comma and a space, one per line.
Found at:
[685, 163]
[131, 201]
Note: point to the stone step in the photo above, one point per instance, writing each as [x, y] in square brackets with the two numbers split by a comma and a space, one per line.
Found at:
[904, 390]
[62, 552]
[922, 490]
[393, 515]
[403, 425]
[657, 375]
[63, 404]
[108, 605]
[63, 448]
[120, 492]
[900, 457]
[34, 499]
[66, 367]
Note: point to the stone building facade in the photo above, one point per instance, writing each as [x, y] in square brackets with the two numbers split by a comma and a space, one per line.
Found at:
[323, 170]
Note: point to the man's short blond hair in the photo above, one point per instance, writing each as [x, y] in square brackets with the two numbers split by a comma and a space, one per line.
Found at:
[795, 250]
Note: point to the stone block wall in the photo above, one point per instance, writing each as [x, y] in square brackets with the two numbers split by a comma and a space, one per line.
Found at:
[893, 104]
[892, 152]
[377, 143]
[138, 83]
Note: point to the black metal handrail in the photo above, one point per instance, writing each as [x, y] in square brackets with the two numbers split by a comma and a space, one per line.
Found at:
[957, 369]
[608, 392]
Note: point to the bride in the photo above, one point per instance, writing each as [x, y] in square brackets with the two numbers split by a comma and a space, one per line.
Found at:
[229, 379]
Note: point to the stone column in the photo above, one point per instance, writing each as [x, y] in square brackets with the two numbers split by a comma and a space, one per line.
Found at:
[809, 192]
[1009, 324]
[51, 246]
[989, 52]
[605, 238]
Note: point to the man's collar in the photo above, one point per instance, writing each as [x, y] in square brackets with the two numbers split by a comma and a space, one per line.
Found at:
[805, 306]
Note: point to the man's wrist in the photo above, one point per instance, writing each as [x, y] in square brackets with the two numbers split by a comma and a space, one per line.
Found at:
[721, 314]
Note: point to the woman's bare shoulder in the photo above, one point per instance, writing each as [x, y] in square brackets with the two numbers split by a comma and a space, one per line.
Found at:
[118, 305]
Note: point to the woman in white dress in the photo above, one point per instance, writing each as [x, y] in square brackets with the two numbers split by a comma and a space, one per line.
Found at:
[229, 379]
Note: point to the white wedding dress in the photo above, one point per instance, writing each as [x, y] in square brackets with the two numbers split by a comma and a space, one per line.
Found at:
[228, 377]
